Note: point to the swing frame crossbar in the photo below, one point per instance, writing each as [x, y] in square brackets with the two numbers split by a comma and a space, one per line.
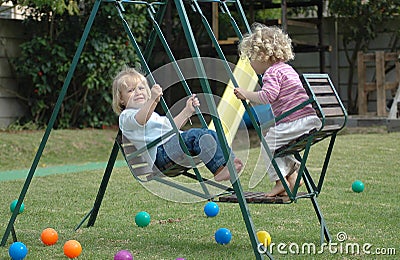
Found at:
[156, 12]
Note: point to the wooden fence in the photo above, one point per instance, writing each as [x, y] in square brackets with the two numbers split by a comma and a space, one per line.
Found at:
[379, 85]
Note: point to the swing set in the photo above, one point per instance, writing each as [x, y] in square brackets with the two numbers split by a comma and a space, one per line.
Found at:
[322, 96]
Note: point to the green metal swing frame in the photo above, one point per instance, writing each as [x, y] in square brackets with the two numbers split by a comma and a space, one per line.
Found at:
[156, 12]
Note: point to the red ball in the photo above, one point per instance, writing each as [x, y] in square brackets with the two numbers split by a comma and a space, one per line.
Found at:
[49, 236]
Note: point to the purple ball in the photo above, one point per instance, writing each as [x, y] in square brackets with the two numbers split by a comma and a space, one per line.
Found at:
[123, 255]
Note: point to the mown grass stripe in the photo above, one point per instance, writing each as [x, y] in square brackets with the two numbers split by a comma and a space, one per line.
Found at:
[60, 169]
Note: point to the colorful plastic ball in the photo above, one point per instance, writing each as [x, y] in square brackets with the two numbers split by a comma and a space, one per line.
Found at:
[142, 219]
[211, 209]
[49, 236]
[72, 249]
[264, 237]
[357, 186]
[123, 255]
[14, 204]
[17, 251]
[223, 236]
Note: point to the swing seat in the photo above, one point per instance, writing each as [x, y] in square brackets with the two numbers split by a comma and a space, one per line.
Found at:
[141, 168]
[143, 171]
[329, 108]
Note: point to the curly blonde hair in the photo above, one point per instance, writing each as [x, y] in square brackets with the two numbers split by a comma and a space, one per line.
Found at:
[125, 78]
[266, 44]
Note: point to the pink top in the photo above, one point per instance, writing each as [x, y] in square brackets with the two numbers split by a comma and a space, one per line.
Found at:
[282, 88]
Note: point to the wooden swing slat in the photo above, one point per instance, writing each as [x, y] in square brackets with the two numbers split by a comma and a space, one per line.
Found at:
[332, 111]
[321, 89]
[327, 100]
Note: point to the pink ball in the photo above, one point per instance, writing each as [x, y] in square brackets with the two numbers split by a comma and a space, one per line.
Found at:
[123, 255]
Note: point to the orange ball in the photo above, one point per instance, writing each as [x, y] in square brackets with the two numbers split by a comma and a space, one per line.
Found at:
[49, 236]
[72, 248]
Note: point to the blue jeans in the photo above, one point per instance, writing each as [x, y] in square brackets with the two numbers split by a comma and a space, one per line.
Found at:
[199, 141]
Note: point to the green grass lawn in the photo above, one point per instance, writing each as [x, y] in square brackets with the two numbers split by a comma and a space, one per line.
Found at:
[177, 230]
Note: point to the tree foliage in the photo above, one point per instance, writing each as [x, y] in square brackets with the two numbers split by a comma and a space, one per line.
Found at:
[58, 6]
[45, 60]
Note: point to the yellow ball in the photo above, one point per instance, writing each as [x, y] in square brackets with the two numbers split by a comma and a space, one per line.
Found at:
[264, 238]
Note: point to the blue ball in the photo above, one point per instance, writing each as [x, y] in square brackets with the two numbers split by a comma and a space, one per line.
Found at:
[357, 186]
[211, 209]
[223, 236]
[17, 251]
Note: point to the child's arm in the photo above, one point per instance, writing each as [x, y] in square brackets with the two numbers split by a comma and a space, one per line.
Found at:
[181, 119]
[143, 115]
[244, 94]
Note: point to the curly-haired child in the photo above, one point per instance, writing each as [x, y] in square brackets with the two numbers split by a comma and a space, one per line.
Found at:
[268, 49]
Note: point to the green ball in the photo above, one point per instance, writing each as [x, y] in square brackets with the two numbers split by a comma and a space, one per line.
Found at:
[14, 203]
[142, 219]
[357, 186]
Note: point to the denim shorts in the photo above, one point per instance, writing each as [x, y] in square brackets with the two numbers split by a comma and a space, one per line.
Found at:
[200, 142]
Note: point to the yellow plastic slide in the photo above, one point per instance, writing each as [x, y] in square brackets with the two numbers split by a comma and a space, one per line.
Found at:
[230, 109]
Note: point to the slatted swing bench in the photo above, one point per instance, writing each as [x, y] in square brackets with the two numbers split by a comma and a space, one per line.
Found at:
[140, 167]
[333, 115]
[143, 171]
[329, 108]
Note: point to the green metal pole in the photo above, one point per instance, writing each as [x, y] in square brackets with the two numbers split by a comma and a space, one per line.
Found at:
[242, 15]
[103, 185]
[217, 123]
[148, 50]
[223, 58]
[175, 64]
[326, 162]
[51, 121]
[162, 101]
[324, 228]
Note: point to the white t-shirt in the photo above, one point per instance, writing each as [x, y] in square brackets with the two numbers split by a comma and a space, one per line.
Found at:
[141, 135]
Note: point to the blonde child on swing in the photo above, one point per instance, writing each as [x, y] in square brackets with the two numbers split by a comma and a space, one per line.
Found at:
[269, 49]
[135, 103]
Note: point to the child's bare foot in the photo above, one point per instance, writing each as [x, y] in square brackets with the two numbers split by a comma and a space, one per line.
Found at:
[223, 173]
[238, 165]
[276, 190]
[292, 180]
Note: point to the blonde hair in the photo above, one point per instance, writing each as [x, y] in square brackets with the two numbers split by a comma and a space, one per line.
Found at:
[266, 44]
[125, 78]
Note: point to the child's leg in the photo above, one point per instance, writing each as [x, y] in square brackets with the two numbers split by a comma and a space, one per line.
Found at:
[280, 135]
[287, 165]
[291, 180]
[205, 144]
